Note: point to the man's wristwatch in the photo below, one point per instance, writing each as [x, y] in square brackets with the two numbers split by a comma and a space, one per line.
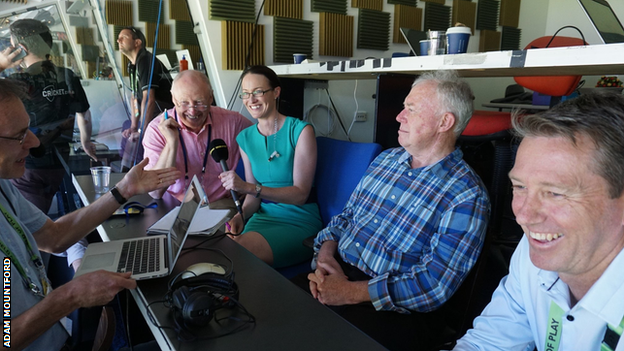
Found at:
[258, 190]
[117, 195]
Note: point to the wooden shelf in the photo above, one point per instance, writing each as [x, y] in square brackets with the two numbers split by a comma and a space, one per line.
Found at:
[584, 60]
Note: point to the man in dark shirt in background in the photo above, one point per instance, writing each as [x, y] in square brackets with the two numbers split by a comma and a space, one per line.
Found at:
[132, 44]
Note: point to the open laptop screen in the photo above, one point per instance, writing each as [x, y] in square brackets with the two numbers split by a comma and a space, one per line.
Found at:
[604, 20]
[188, 208]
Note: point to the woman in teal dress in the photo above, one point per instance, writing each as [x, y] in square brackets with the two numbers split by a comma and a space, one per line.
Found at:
[279, 154]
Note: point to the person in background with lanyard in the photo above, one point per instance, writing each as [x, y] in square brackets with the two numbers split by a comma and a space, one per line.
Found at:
[38, 313]
[565, 288]
[132, 44]
[180, 138]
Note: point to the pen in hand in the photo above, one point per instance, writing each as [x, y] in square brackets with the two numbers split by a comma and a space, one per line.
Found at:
[166, 116]
[227, 227]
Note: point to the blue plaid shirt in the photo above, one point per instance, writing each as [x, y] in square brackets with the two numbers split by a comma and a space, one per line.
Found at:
[417, 232]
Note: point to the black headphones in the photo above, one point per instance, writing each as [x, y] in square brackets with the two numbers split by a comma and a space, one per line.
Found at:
[194, 300]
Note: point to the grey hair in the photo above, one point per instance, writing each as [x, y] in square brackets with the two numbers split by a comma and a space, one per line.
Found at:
[454, 96]
[597, 116]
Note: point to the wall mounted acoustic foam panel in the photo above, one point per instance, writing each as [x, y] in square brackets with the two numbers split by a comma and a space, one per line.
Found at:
[437, 17]
[402, 2]
[373, 30]
[376, 5]
[229, 10]
[407, 17]
[510, 38]
[464, 12]
[235, 40]
[164, 35]
[333, 6]
[148, 11]
[291, 36]
[178, 10]
[487, 15]
[184, 33]
[284, 8]
[509, 13]
[119, 12]
[335, 35]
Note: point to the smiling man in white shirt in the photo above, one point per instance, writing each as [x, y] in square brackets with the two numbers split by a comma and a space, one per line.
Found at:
[565, 288]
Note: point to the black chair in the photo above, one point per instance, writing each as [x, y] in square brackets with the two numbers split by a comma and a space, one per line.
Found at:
[488, 148]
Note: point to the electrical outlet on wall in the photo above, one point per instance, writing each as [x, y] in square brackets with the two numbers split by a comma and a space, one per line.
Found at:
[360, 116]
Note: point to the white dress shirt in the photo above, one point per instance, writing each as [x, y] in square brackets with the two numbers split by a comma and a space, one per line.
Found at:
[518, 316]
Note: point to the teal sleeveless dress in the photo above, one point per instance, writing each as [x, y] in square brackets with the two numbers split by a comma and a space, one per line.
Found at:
[284, 226]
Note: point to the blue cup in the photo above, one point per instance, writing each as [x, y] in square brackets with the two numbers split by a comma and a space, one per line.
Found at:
[457, 40]
[298, 58]
[424, 47]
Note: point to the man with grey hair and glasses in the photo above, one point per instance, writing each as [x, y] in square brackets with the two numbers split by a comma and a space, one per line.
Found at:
[565, 288]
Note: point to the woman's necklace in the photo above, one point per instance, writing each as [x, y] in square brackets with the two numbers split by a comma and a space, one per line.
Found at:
[275, 154]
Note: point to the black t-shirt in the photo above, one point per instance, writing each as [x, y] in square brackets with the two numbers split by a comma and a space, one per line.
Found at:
[161, 80]
[55, 94]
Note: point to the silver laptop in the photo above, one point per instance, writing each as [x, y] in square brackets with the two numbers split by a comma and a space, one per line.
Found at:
[605, 21]
[413, 38]
[151, 256]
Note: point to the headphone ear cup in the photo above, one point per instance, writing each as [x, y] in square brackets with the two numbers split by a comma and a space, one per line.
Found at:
[180, 296]
[198, 309]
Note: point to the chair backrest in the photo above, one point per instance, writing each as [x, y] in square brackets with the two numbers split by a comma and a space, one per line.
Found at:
[551, 85]
[339, 167]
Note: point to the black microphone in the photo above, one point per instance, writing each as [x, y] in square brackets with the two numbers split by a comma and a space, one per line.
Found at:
[219, 153]
[38, 151]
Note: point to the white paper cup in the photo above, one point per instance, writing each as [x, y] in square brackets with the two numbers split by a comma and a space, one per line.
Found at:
[457, 39]
[101, 178]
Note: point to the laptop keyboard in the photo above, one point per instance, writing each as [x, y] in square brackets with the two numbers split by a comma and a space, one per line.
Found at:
[140, 256]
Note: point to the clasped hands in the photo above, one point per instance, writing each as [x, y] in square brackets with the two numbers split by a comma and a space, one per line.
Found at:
[328, 283]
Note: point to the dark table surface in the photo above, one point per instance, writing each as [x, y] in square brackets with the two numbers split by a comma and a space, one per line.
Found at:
[287, 318]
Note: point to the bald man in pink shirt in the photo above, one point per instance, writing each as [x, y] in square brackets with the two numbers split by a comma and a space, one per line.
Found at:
[180, 137]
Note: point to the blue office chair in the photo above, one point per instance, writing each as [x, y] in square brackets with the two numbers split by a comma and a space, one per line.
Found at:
[339, 167]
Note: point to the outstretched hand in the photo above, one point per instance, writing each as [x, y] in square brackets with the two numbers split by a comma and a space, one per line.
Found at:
[141, 181]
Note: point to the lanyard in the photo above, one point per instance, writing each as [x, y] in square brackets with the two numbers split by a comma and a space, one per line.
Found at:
[554, 329]
[612, 336]
[175, 112]
[36, 260]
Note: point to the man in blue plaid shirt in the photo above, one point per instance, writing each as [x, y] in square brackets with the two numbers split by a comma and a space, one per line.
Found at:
[413, 227]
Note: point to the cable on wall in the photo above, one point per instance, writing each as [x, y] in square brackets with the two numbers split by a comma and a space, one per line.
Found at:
[357, 106]
[230, 104]
[149, 87]
[331, 119]
[337, 115]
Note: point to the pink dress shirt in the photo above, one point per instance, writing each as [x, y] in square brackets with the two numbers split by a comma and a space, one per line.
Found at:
[225, 125]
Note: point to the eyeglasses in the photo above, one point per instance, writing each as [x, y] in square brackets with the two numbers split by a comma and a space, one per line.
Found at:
[199, 107]
[20, 139]
[257, 93]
